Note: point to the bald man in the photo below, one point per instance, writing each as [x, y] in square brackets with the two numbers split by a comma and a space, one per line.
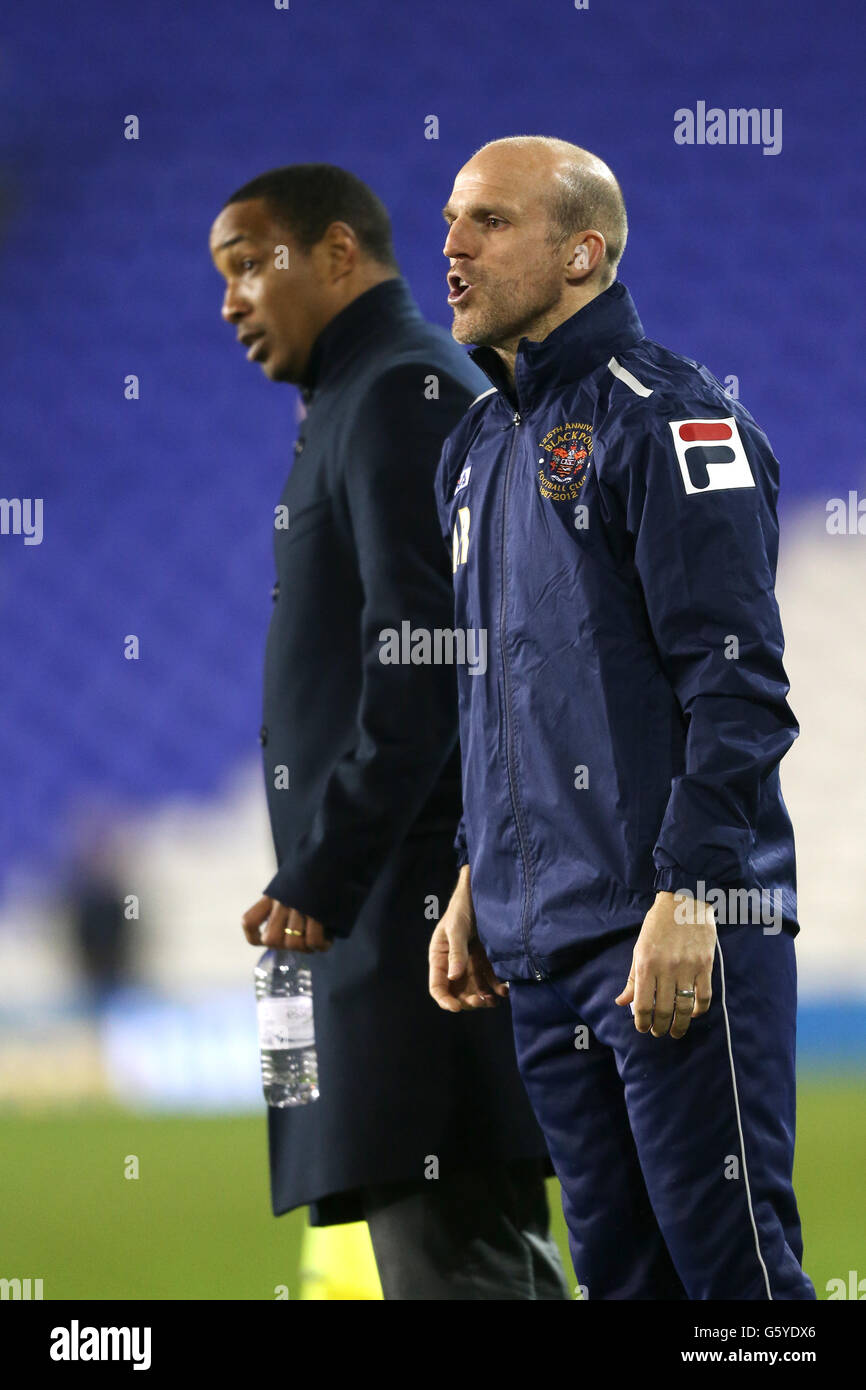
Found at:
[627, 863]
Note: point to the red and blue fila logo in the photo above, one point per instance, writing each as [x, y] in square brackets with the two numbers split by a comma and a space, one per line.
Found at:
[711, 454]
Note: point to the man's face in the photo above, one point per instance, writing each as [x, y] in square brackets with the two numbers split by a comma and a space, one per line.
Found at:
[277, 312]
[499, 243]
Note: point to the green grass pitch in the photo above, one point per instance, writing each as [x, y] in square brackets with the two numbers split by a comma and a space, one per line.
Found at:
[196, 1223]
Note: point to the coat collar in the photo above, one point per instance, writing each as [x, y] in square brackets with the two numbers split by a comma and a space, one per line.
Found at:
[378, 310]
[605, 326]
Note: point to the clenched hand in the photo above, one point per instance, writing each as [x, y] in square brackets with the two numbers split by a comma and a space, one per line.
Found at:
[286, 929]
[671, 968]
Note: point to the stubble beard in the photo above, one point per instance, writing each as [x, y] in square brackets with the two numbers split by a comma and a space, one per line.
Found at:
[503, 324]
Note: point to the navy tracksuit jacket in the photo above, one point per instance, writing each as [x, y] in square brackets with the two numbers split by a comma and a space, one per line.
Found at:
[612, 524]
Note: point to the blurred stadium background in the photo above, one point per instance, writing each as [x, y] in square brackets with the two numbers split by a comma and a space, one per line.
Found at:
[135, 1035]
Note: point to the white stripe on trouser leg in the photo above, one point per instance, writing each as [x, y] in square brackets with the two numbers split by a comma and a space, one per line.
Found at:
[740, 1124]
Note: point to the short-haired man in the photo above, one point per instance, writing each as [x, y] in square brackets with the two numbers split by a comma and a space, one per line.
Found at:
[612, 520]
[362, 763]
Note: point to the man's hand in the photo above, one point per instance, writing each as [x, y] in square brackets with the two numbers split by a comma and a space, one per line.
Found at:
[285, 928]
[461, 976]
[671, 968]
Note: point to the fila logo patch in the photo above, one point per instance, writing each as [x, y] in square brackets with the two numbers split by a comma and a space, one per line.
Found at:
[711, 455]
[462, 480]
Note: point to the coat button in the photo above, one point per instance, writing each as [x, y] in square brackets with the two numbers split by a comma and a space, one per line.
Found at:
[299, 447]
[275, 591]
[263, 735]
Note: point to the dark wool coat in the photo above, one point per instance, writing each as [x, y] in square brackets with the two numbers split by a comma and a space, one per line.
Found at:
[362, 769]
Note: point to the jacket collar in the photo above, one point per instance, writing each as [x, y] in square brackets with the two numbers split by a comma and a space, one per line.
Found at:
[605, 326]
[375, 312]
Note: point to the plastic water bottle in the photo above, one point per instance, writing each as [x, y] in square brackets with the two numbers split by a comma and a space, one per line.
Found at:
[284, 1003]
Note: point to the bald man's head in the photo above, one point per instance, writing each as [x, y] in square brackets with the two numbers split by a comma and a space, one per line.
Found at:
[580, 192]
[536, 230]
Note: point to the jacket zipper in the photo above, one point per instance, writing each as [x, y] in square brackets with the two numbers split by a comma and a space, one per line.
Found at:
[512, 785]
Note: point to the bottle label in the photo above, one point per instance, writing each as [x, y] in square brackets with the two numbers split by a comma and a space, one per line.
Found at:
[286, 1023]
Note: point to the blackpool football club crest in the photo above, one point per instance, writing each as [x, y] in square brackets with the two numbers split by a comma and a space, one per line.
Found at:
[564, 461]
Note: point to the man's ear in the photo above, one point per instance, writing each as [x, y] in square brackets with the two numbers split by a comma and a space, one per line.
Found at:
[342, 250]
[586, 255]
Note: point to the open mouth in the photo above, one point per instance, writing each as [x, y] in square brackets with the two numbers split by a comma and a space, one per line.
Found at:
[253, 344]
[459, 288]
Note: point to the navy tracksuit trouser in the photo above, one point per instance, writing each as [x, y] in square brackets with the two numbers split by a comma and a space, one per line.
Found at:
[674, 1156]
